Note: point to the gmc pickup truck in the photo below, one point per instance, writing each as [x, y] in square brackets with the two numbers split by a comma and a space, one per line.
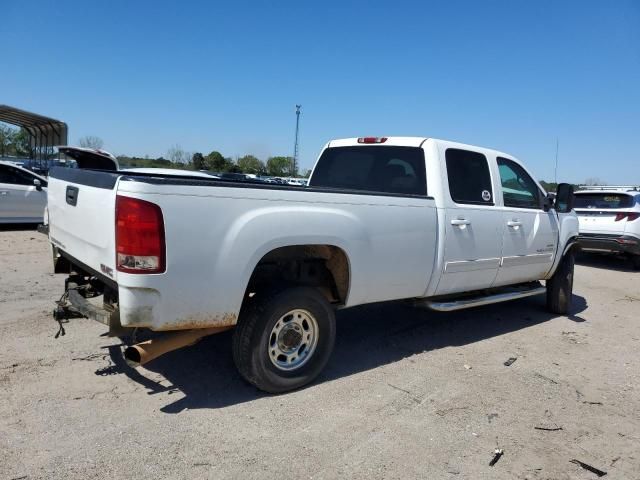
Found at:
[442, 224]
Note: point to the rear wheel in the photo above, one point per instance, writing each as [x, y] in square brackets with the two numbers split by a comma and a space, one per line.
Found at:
[635, 261]
[560, 286]
[283, 341]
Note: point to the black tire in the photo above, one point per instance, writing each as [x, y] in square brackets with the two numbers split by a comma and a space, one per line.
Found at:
[635, 261]
[560, 286]
[253, 336]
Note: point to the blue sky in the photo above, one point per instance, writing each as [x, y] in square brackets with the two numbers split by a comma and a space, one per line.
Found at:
[513, 75]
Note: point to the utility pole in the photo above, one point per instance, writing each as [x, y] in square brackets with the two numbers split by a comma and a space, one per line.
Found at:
[294, 166]
[555, 174]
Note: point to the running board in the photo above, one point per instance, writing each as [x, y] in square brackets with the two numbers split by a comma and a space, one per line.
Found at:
[452, 304]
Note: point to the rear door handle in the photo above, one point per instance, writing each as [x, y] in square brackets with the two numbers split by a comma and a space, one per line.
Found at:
[4, 192]
[514, 223]
[460, 221]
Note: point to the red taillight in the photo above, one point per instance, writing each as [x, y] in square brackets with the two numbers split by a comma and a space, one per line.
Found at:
[630, 216]
[140, 246]
[372, 139]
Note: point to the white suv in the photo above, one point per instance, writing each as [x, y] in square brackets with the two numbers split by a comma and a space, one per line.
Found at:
[609, 220]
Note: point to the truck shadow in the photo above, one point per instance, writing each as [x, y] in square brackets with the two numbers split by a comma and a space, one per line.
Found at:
[204, 375]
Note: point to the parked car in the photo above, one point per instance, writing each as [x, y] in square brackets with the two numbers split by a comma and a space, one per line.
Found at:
[442, 224]
[608, 217]
[23, 194]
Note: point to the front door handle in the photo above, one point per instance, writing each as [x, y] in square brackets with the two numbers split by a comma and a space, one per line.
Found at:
[460, 221]
[514, 223]
[4, 193]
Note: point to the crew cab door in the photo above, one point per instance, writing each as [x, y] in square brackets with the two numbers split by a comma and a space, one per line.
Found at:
[473, 223]
[530, 234]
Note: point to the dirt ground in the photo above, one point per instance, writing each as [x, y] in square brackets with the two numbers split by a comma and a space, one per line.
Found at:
[407, 394]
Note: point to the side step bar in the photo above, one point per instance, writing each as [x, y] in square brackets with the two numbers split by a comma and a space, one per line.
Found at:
[453, 304]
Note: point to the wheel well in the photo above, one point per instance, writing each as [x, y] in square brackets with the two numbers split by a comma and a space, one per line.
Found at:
[323, 266]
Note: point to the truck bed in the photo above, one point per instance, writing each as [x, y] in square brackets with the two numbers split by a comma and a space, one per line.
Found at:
[217, 231]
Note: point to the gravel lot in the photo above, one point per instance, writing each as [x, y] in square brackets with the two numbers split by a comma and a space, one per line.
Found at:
[407, 394]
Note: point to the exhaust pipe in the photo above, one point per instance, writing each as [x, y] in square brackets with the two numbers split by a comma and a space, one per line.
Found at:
[144, 352]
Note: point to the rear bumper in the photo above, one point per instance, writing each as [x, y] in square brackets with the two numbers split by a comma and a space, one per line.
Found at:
[609, 243]
[128, 306]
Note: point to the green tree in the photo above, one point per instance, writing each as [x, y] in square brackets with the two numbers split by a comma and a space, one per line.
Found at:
[91, 141]
[279, 166]
[21, 145]
[14, 142]
[198, 162]
[232, 167]
[216, 162]
[251, 164]
[7, 139]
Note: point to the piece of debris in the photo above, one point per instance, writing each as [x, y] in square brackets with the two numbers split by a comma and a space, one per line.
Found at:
[468, 367]
[548, 429]
[592, 403]
[539, 375]
[491, 416]
[497, 453]
[510, 361]
[586, 466]
[614, 461]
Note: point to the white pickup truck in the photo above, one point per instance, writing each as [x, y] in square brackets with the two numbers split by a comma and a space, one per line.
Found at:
[442, 224]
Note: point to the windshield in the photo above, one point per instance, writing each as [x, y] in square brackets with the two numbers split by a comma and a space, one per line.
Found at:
[603, 200]
[385, 169]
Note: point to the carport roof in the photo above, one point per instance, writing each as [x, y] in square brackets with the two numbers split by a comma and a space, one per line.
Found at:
[32, 122]
[44, 133]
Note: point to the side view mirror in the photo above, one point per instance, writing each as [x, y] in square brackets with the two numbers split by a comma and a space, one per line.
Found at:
[547, 202]
[38, 184]
[564, 198]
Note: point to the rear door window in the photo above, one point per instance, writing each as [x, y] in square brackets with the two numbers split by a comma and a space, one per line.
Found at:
[603, 200]
[384, 169]
[469, 177]
[518, 188]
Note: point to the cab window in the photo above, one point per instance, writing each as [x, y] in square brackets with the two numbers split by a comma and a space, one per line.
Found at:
[383, 169]
[518, 188]
[469, 177]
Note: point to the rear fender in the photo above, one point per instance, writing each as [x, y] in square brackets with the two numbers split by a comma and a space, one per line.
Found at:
[261, 231]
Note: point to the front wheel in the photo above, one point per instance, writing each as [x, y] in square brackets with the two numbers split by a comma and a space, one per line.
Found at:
[284, 340]
[560, 286]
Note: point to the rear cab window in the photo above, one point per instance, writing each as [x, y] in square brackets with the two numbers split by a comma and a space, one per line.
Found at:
[469, 177]
[603, 200]
[381, 169]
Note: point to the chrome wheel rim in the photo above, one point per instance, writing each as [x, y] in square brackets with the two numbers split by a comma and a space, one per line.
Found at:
[293, 340]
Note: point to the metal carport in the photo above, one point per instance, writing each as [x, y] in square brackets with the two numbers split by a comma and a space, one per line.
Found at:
[44, 133]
